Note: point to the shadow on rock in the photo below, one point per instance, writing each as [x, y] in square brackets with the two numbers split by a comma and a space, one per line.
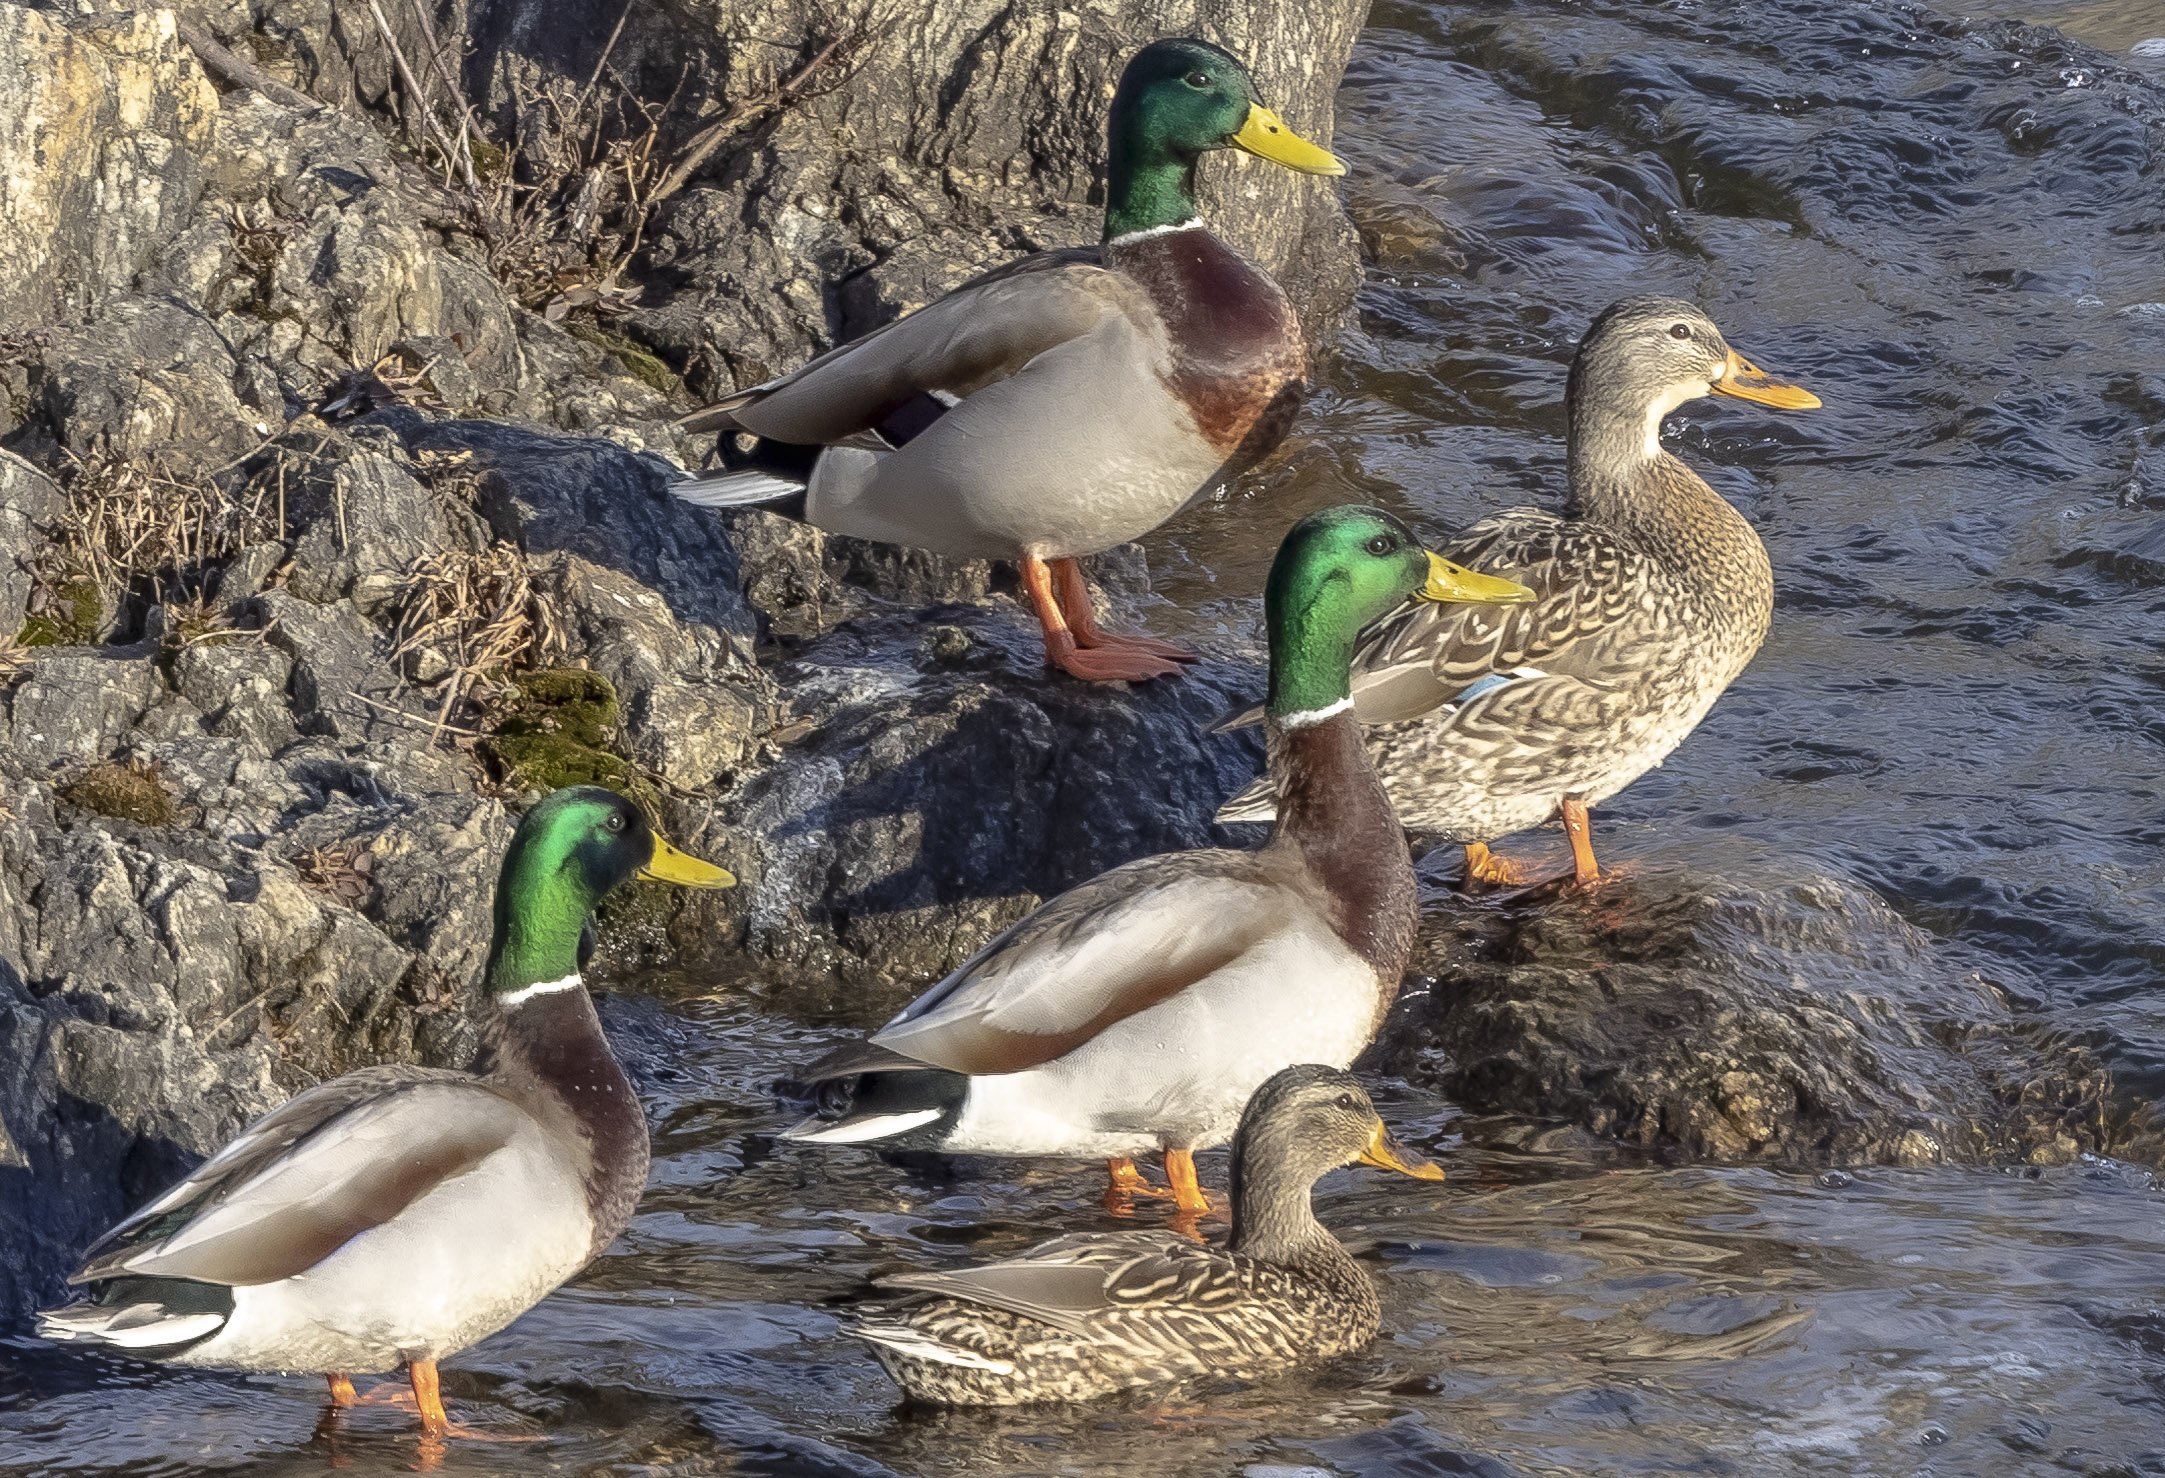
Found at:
[1742, 1013]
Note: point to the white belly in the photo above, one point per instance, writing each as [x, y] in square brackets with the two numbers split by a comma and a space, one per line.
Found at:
[1177, 1075]
[451, 1269]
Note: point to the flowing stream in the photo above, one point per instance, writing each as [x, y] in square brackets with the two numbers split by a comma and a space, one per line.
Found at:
[1955, 234]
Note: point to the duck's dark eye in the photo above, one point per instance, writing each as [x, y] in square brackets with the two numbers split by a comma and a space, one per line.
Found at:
[615, 821]
[1345, 1100]
[1197, 79]
[1679, 330]
[1382, 544]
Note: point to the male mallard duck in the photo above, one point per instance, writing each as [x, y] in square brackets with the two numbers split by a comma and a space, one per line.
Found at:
[398, 1214]
[1139, 1011]
[1650, 595]
[1067, 402]
[1085, 1316]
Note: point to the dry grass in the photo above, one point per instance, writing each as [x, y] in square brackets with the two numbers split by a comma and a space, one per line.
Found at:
[563, 204]
[14, 662]
[466, 619]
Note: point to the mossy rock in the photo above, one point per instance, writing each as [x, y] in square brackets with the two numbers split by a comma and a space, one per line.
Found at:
[68, 616]
[125, 790]
[559, 730]
[643, 365]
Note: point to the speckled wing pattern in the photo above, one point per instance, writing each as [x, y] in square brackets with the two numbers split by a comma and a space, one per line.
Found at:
[1098, 953]
[332, 1162]
[1086, 1314]
[1425, 654]
[1494, 684]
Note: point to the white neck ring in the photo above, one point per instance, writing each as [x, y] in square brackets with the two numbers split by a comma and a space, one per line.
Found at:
[513, 998]
[1308, 718]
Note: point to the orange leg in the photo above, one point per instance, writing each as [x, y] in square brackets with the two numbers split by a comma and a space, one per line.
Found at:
[341, 1390]
[1484, 866]
[436, 1424]
[1188, 1193]
[1062, 650]
[1579, 827]
[1127, 1184]
[1073, 594]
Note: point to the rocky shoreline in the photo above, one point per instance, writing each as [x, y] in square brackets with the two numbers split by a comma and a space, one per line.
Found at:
[329, 526]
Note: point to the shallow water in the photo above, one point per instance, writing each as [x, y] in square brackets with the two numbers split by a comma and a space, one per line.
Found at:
[1955, 239]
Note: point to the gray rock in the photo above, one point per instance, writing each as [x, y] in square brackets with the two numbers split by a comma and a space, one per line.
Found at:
[239, 684]
[31, 509]
[1745, 1015]
[100, 142]
[79, 704]
[344, 685]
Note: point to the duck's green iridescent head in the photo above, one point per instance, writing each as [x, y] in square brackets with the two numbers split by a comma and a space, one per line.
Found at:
[1337, 571]
[571, 851]
[1178, 100]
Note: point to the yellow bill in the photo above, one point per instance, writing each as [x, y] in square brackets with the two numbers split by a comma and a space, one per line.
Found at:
[1747, 381]
[1386, 1153]
[1266, 136]
[668, 865]
[1460, 586]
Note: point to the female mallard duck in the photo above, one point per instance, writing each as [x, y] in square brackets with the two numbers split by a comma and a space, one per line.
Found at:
[1138, 1012]
[1650, 595]
[1085, 1316]
[1067, 402]
[398, 1214]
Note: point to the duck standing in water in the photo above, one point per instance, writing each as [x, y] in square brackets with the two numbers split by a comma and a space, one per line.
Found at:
[398, 1214]
[1088, 1315]
[1067, 402]
[1138, 1012]
[1650, 595]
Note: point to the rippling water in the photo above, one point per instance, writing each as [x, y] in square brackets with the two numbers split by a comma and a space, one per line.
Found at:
[1952, 234]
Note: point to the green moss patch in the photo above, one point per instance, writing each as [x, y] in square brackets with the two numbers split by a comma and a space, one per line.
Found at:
[559, 728]
[643, 365]
[126, 790]
[66, 615]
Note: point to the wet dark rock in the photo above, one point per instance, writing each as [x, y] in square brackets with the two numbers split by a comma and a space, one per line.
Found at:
[933, 781]
[1751, 1015]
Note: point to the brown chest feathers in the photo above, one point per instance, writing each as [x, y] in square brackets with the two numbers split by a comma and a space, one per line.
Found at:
[1239, 360]
[1334, 810]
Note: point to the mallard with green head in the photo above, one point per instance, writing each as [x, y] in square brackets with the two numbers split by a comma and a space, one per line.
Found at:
[1138, 1012]
[1651, 593]
[398, 1214]
[1088, 1315]
[1067, 402]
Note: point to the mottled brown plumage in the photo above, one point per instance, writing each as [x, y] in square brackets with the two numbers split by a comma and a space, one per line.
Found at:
[1088, 1315]
[1651, 594]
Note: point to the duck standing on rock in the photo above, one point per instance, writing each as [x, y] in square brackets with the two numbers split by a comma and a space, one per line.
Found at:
[1137, 1012]
[1088, 1315]
[398, 1214]
[1650, 595]
[1067, 402]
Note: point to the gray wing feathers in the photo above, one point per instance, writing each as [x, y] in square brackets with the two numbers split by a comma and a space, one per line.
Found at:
[299, 1183]
[976, 335]
[1097, 953]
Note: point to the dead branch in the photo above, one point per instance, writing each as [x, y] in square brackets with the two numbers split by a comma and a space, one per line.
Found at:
[224, 65]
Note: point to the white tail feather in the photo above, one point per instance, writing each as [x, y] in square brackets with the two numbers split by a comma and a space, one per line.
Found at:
[857, 1131]
[744, 489]
[920, 1346]
[128, 1326]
